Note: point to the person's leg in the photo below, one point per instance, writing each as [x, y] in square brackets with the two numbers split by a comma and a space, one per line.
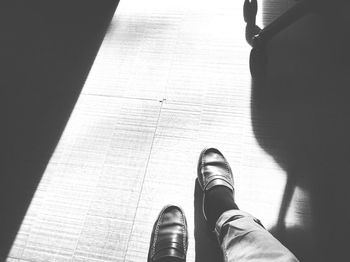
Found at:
[218, 200]
[169, 238]
[241, 236]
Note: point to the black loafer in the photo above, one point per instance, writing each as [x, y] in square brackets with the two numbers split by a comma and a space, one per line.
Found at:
[213, 170]
[169, 240]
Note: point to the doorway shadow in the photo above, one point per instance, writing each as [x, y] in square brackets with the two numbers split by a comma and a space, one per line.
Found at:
[47, 49]
[206, 245]
[300, 115]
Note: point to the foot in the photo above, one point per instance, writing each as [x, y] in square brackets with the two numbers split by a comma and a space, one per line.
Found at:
[216, 180]
[169, 238]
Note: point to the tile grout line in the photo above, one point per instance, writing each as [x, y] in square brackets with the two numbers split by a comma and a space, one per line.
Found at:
[122, 97]
[143, 181]
[169, 101]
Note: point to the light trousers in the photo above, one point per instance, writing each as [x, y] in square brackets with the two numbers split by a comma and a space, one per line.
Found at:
[243, 238]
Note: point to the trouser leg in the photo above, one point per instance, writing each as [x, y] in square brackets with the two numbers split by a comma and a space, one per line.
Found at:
[243, 238]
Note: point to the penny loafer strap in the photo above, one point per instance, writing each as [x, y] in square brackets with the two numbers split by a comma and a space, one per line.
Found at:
[218, 180]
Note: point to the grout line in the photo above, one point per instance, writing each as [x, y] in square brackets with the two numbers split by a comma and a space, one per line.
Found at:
[143, 181]
[168, 101]
[123, 97]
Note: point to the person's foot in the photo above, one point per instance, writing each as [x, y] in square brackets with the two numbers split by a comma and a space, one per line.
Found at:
[169, 240]
[216, 180]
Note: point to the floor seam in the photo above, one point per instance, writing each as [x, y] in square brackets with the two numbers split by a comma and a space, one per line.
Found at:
[123, 97]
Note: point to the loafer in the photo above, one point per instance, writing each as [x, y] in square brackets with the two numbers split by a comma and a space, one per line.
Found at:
[213, 170]
[169, 238]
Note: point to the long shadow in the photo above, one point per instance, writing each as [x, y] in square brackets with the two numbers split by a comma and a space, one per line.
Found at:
[46, 49]
[300, 116]
[206, 246]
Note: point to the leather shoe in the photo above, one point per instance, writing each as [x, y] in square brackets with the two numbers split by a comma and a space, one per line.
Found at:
[213, 170]
[169, 240]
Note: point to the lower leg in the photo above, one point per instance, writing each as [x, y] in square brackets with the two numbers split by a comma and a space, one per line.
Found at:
[218, 200]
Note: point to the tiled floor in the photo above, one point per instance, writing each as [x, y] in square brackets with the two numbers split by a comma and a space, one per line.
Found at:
[170, 78]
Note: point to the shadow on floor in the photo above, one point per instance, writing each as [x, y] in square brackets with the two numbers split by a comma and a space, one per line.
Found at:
[206, 245]
[46, 49]
[300, 116]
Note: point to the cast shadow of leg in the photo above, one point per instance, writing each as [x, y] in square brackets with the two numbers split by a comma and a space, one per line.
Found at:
[207, 247]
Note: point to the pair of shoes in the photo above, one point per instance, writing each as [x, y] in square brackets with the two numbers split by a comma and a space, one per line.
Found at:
[169, 238]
